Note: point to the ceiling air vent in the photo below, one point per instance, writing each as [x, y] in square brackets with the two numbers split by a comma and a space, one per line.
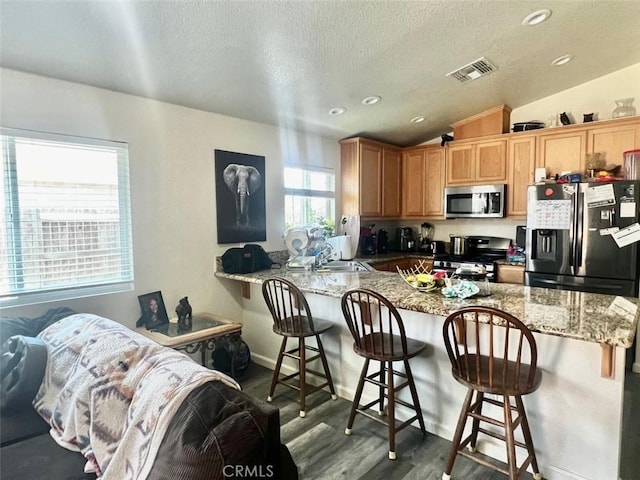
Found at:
[473, 70]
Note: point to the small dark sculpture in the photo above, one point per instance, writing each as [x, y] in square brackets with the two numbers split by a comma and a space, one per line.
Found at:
[564, 118]
[445, 138]
[184, 314]
[588, 117]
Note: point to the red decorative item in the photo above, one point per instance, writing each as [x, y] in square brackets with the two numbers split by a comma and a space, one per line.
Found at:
[548, 192]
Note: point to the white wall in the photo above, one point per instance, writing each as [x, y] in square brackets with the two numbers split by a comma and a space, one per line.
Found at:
[173, 202]
[597, 96]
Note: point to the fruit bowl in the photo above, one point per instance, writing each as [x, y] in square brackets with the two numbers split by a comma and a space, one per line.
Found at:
[421, 278]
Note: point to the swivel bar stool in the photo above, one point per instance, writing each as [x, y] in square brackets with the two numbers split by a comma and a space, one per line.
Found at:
[487, 349]
[292, 318]
[379, 335]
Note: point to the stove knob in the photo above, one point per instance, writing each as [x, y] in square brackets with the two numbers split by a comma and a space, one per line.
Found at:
[448, 264]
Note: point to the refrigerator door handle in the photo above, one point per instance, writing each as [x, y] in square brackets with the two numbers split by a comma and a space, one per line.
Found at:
[579, 230]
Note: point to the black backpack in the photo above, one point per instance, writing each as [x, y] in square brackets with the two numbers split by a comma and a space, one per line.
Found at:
[247, 259]
[231, 355]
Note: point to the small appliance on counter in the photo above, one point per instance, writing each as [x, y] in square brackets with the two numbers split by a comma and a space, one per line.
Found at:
[405, 239]
[367, 240]
[426, 234]
[383, 241]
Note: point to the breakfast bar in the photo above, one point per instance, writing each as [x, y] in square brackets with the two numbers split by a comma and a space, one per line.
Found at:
[576, 415]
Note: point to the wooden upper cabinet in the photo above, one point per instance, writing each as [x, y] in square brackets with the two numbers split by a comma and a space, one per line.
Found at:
[491, 161]
[460, 164]
[413, 183]
[477, 163]
[391, 183]
[562, 152]
[434, 181]
[520, 170]
[371, 174]
[370, 180]
[423, 182]
[613, 141]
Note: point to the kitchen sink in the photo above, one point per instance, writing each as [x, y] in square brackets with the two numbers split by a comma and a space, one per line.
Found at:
[347, 266]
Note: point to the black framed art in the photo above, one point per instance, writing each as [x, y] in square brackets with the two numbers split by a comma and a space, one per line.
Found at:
[154, 313]
[240, 197]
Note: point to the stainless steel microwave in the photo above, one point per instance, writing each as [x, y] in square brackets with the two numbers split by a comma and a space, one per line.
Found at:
[478, 201]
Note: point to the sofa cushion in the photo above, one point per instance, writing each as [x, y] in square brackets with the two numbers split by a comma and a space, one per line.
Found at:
[41, 458]
[23, 361]
[30, 327]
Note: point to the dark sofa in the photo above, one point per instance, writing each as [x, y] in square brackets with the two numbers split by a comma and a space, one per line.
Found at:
[217, 433]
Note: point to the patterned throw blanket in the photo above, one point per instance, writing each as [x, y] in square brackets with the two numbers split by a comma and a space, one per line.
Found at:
[111, 393]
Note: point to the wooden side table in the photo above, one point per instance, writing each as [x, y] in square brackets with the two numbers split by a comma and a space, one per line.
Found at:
[207, 331]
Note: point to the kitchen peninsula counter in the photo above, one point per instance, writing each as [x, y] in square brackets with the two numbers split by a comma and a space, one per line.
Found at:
[590, 317]
[575, 416]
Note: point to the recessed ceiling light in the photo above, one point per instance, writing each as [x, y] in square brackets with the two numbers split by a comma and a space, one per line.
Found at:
[536, 17]
[371, 100]
[417, 120]
[564, 59]
[337, 111]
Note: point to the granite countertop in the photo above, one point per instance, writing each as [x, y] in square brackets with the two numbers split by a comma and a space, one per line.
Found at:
[603, 319]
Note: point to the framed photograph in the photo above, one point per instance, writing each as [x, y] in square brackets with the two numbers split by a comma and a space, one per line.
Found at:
[153, 310]
[240, 197]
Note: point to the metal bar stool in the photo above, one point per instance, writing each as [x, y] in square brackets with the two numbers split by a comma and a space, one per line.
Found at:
[379, 335]
[487, 349]
[292, 318]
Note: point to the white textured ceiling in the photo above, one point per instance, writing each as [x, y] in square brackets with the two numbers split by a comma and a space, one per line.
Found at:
[287, 63]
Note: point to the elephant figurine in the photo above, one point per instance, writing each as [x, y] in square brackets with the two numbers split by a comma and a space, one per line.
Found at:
[184, 314]
[242, 180]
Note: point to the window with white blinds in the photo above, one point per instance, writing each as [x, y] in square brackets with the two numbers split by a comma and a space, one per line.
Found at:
[65, 221]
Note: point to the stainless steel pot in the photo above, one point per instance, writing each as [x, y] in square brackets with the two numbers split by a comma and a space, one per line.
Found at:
[459, 244]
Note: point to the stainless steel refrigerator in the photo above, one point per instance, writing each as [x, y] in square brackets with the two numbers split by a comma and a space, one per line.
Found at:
[584, 236]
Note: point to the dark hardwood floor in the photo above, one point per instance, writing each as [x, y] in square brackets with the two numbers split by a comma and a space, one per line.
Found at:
[322, 450]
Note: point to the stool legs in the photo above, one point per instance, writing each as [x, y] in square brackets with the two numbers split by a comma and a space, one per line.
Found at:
[474, 410]
[300, 355]
[356, 399]
[325, 365]
[276, 371]
[391, 413]
[386, 382]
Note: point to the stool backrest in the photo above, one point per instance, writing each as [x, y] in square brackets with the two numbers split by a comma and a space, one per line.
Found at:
[369, 317]
[287, 305]
[490, 348]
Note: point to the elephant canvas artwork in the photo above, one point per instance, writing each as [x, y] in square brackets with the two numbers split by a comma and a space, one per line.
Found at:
[240, 197]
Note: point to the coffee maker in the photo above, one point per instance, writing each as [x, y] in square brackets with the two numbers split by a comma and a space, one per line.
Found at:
[383, 241]
[367, 240]
[406, 239]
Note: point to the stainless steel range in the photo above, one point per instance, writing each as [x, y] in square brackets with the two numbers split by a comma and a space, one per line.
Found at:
[485, 251]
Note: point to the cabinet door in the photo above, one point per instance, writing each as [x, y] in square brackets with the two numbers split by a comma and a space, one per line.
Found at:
[413, 183]
[433, 183]
[370, 180]
[349, 178]
[521, 166]
[563, 152]
[391, 178]
[491, 161]
[460, 164]
[612, 142]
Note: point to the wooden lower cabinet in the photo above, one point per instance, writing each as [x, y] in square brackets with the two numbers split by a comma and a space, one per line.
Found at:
[403, 264]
